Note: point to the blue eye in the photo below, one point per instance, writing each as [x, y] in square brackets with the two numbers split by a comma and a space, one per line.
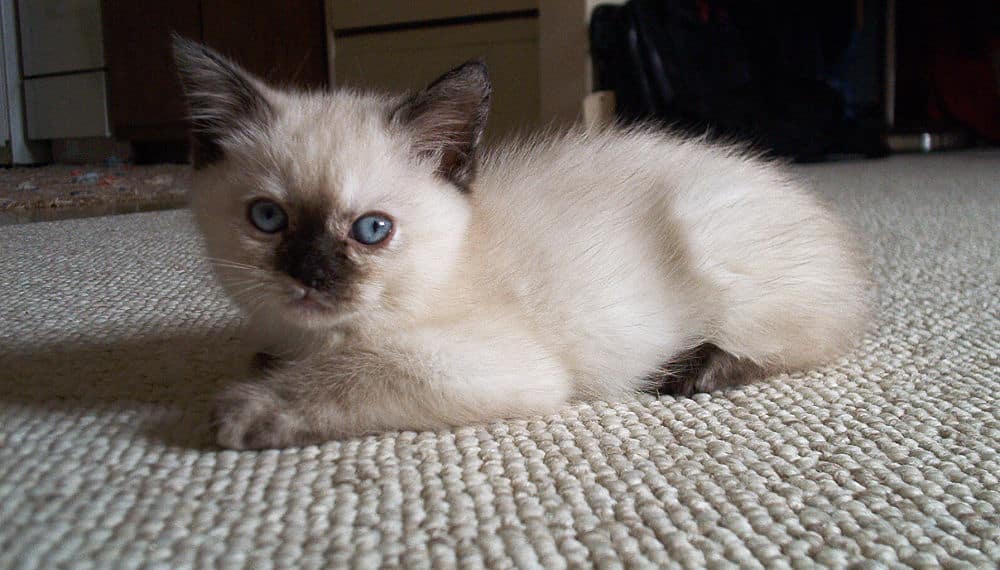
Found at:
[371, 229]
[267, 216]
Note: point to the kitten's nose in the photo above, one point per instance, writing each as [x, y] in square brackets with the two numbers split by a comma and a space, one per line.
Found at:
[316, 269]
[315, 260]
[315, 277]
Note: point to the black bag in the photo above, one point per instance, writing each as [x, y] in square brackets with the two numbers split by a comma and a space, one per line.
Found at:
[745, 70]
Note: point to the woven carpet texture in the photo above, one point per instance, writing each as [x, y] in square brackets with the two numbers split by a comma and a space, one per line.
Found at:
[113, 337]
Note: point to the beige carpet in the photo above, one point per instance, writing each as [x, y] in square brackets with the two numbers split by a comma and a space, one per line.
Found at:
[112, 338]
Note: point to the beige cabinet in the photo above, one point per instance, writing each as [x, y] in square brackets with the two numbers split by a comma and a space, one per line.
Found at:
[537, 50]
[409, 59]
[400, 46]
[357, 14]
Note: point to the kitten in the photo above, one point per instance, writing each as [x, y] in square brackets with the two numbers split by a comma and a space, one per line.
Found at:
[398, 276]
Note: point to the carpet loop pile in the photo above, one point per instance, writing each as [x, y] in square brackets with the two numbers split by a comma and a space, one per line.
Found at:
[113, 338]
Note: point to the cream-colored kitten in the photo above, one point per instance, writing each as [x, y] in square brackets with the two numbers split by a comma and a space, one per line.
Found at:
[399, 277]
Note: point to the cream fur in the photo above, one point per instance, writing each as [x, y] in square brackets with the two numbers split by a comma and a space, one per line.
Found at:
[577, 265]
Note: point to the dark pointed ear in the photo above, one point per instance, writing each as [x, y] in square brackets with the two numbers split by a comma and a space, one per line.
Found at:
[222, 99]
[447, 120]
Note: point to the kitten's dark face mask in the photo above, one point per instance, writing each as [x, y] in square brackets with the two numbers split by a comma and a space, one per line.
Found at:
[317, 208]
[306, 263]
[320, 260]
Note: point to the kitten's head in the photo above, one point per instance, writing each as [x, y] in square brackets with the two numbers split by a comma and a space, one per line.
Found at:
[317, 208]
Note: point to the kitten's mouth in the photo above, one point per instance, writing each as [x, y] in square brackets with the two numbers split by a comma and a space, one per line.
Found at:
[311, 300]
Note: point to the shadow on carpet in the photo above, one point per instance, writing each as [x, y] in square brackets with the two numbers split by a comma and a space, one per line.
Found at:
[177, 373]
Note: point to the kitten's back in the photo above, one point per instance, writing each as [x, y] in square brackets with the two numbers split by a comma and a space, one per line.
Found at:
[633, 245]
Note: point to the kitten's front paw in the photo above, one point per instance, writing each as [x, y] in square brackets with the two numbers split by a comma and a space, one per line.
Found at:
[252, 416]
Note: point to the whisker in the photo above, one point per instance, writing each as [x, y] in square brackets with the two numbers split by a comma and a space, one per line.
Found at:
[238, 282]
[247, 289]
[222, 262]
[238, 267]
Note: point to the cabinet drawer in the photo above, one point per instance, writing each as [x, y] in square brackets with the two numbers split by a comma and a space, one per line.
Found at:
[349, 14]
[60, 35]
[407, 60]
[67, 106]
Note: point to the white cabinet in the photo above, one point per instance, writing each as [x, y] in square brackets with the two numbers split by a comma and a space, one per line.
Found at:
[60, 36]
[15, 148]
[64, 80]
[67, 106]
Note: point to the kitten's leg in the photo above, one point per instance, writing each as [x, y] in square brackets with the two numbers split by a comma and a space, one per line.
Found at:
[343, 394]
[705, 368]
[274, 345]
[252, 415]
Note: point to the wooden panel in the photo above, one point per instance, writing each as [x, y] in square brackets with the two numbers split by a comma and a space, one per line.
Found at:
[66, 106]
[365, 13]
[144, 93]
[281, 40]
[60, 35]
[398, 61]
[284, 41]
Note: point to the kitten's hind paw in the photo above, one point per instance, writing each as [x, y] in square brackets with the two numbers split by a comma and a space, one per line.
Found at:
[252, 416]
[706, 368]
[263, 361]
